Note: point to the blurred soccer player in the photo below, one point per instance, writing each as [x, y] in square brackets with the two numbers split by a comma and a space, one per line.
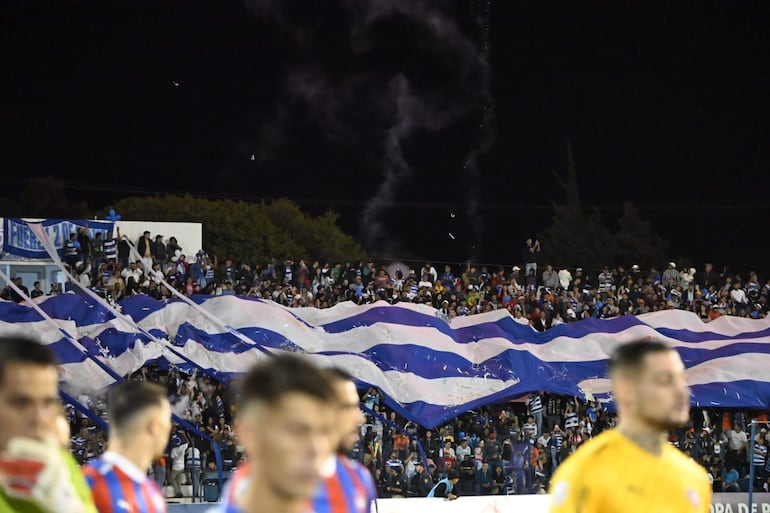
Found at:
[632, 468]
[140, 423]
[36, 473]
[347, 486]
[283, 425]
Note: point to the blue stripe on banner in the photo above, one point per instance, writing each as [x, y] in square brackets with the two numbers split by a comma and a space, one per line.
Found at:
[433, 370]
[228, 342]
[66, 352]
[78, 307]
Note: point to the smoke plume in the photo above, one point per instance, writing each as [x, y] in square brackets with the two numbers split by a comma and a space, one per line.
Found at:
[361, 95]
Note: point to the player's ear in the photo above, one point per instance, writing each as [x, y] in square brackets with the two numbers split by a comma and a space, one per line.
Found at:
[622, 385]
[243, 429]
[152, 426]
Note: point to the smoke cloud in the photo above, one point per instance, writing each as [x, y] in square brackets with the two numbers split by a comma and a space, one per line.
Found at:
[362, 95]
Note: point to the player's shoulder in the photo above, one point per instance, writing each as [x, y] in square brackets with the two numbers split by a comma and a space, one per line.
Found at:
[354, 467]
[362, 474]
[98, 466]
[606, 443]
[684, 464]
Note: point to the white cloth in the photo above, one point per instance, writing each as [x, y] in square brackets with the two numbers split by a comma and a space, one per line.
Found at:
[177, 457]
[737, 440]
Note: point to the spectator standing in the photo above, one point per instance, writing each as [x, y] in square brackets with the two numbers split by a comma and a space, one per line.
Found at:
[670, 277]
[159, 252]
[531, 254]
[422, 483]
[159, 465]
[110, 248]
[759, 459]
[177, 475]
[124, 249]
[97, 250]
[555, 405]
[145, 249]
[85, 243]
[710, 277]
[71, 250]
[194, 466]
[736, 445]
[535, 409]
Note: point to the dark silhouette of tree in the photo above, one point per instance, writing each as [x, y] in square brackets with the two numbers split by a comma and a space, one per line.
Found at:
[577, 236]
[250, 232]
[44, 197]
[636, 241]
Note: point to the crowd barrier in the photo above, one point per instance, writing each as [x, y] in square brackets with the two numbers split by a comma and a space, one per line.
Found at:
[721, 503]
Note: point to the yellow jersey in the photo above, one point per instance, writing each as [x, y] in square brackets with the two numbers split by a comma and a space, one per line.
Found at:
[612, 474]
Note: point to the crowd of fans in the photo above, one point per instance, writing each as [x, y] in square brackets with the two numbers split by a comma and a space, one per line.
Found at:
[542, 297]
[509, 448]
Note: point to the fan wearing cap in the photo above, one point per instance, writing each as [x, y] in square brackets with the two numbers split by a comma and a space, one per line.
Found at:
[422, 482]
[446, 487]
[670, 276]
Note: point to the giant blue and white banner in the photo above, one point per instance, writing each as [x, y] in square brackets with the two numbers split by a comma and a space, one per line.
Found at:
[19, 240]
[429, 369]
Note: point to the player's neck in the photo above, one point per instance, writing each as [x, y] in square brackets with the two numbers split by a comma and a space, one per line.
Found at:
[133, 451]
[260, 498]
[648, 438]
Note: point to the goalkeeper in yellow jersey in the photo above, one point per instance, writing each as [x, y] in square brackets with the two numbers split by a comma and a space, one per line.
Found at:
[632, 468]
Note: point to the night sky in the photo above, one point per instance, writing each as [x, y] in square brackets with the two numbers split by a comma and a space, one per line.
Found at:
[434, 128]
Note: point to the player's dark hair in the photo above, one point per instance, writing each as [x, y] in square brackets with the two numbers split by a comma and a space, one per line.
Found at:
[335, 374]
[129, 398]
[630, 356]
[23, 349]
[268, 382]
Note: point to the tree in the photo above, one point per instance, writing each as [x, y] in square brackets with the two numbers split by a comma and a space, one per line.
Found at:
[580, 237]
[576, 237]
[250, 232]
[44, 197]
[636, 242]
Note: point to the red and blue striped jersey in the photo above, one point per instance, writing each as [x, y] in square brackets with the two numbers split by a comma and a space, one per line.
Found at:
[118, 486]
[349, 490]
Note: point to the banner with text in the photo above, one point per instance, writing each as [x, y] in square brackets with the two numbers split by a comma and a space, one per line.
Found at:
[19, 240]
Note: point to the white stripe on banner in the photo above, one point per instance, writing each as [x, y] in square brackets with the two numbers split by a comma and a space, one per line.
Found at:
[429, 369]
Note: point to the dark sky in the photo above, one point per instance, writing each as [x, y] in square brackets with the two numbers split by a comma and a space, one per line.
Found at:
[412, 119]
